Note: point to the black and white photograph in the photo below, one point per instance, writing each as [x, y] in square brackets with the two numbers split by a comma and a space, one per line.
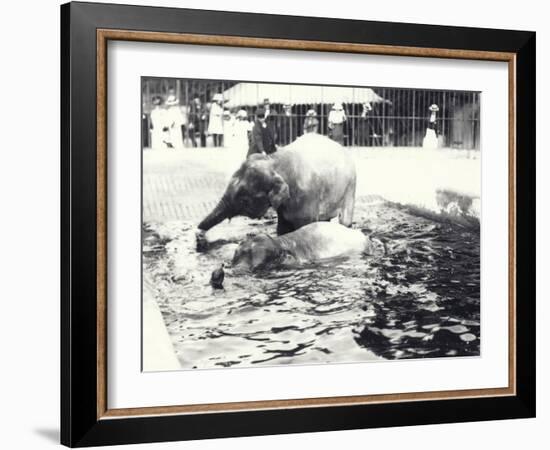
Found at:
[308, 224]
[269, 225]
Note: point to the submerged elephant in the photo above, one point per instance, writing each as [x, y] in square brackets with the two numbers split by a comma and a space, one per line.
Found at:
[313, 242]
[313, 179]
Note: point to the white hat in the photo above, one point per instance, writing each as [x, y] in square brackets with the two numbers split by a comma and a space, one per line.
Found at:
[337, 106]
[434, 107]
[217, 97]
[311, 112]
[242, 114]
[172, 100]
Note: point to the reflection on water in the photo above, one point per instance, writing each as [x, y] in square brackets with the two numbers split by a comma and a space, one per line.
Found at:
[419, 299]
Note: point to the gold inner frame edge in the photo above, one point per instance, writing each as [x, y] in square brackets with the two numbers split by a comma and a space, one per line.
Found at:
[103, 36]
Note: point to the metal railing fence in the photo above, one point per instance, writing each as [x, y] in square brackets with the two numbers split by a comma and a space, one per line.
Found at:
[400, 120]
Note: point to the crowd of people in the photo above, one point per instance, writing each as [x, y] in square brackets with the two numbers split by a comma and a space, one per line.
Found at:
[170, 124]
[173, 126]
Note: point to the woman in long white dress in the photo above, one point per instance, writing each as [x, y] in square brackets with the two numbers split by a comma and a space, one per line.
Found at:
[229, 121]
[159, 126]
[175, 120]
[242, 130]
[430, 139]
[215, 124]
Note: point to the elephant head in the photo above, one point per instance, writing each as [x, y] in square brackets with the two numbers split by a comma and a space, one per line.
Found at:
[258, 253]
[251, 191]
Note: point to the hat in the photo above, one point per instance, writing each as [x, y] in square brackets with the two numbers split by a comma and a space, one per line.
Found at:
[266, 101]
[242, 114]
[311, 112]
[337, 106]
[217, 97]
[172, 100]
[434, 107]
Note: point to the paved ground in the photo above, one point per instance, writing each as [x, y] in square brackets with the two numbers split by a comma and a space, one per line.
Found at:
[187, 184]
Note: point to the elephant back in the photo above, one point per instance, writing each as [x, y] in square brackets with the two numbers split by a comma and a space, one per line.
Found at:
[317, 154]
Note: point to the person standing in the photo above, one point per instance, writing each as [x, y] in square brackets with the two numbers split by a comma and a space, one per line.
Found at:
[242, 131]
[145, 127]
[262, 139]
[228, 129]
[430, 140]
[175, 120]
[311, 124]
[336, 119]
[184, 109]
[286, 129]
[364, 128]
[267, 107]
[159, 127]
[197, 122]
[271, 119]
[215, 124]
[432, 124]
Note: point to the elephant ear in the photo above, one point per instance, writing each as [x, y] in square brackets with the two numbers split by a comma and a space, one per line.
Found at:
[279, 192]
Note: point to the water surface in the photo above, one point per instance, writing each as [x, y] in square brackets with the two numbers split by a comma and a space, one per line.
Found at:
[417, 298]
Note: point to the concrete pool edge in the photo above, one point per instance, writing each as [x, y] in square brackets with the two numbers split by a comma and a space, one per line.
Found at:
[158, 350]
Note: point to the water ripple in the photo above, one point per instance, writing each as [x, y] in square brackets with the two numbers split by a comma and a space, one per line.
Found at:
[420, 299]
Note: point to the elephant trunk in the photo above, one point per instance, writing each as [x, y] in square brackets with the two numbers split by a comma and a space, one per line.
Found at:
[218, 214]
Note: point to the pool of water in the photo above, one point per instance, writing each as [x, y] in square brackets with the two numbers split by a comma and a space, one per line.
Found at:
[417, 298]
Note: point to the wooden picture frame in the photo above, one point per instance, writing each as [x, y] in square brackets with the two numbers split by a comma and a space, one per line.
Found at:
[86, 418]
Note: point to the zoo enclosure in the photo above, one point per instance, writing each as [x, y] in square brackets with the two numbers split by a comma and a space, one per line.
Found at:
[398, 117]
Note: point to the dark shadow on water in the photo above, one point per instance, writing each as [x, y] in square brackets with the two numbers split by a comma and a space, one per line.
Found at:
[49, 434]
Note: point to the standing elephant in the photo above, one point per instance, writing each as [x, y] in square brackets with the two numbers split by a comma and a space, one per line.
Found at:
[313, 179]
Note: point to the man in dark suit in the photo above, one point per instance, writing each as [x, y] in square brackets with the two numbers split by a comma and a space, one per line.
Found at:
[197, 122]
[262, 139]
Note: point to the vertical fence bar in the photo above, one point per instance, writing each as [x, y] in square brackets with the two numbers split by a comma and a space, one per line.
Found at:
[410, 125]
[383, 128]
[478, 110]
[399, 119]
[414, 118]
[400, 99]
[187, 111]
[445, 116]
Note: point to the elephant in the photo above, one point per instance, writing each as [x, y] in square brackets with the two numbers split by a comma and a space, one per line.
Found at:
[313, 179]
[313, 242]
